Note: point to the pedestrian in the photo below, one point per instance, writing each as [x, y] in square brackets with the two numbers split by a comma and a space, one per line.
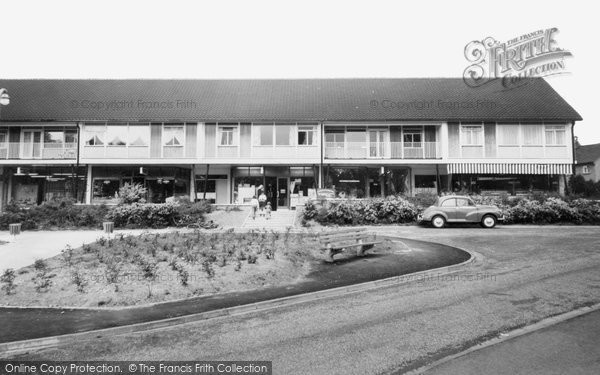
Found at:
[254, 204]
[268, 210]
[262, 202]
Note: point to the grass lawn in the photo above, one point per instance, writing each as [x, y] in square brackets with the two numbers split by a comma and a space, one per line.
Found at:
[131, 270]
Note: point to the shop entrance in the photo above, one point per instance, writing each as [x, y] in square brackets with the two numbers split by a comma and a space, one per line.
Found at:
[276, 190]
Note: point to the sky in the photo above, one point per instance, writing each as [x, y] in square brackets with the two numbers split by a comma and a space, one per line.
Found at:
[295, 39]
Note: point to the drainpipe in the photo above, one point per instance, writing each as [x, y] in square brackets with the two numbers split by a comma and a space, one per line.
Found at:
[321, 164]
[205, 182]
[76, 179]
[574, 156]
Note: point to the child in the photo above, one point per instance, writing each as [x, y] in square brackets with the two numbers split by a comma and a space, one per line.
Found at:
[268, 210]
[254, 204]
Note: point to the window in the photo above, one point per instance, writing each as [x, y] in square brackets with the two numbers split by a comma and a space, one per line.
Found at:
[471, 135]
[116, 134]
[94, 135]
[461, 202]
[71, 137]
[173, 135]
[585, 169]
[3, 139]
[508, 134]
[425, 181]
[227, 135]
[555, 135]
[283, 134]
[412, 137]
[533, 135]
[306, 135]
[449, 203]
[334, 137]
[53, 137]
[263, 135]
[139, 135]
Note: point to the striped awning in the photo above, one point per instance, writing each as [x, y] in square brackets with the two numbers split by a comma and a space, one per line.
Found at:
[509, 168]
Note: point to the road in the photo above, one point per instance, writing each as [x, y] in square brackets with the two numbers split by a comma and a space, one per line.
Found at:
[523, 275]
[570, 347]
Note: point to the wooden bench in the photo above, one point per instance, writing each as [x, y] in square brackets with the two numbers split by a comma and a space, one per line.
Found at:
[336, 242]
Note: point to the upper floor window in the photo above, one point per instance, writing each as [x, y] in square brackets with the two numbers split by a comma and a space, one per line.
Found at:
[116, 134]
[585, 169]
[334, 137]
[284, 134]
[556, 135]
[3, 139]
[228, 135]
[471, 135]
[94, 135]
[173, 135]
[307, 136]
[508, 134]
[533, 134]
[139, 135]
[263, 135]
[412, 137]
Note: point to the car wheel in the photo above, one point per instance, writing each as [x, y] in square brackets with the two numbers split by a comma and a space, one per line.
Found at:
[488, 221]
[438, 221]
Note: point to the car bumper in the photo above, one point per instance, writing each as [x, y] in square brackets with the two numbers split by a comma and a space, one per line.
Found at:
[421, 219]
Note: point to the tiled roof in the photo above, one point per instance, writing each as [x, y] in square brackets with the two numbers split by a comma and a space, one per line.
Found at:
[280, 100]
[587, 154]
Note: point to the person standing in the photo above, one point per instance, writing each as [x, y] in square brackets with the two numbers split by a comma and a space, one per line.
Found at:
[254, 205]
[262, 202]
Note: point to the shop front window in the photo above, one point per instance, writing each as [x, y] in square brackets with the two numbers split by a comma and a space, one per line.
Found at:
[106, 190]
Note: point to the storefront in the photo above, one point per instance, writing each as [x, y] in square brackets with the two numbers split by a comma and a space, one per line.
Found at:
[160, 182]
[285, 187]
[36, 184]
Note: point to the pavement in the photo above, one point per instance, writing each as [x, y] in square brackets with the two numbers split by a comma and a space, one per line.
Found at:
[401, 258]
[570, 347]
[279, 220]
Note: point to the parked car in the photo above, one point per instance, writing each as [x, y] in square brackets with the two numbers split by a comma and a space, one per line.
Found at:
[460, 209]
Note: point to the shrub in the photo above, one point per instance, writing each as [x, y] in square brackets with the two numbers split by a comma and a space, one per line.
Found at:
[132, 193]
[79, 281]
[365, 211]
[8, 279]
[59, 213]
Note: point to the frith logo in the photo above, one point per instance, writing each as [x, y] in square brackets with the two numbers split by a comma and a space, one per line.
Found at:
[531, 55]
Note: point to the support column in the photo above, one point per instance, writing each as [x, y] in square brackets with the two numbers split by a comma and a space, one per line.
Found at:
[88, 185]
[193, 184]
[320, 176]
[9, 188]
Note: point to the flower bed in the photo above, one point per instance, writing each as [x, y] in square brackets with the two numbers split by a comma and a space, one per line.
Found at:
[128, 270]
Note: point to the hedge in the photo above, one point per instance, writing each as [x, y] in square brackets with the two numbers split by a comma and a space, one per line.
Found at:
[64, 214]
[537, 209]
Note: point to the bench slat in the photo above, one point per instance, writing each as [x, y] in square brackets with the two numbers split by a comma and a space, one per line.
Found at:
[353, 244]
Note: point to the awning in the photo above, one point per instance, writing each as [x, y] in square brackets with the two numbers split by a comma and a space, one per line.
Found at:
[509, 168]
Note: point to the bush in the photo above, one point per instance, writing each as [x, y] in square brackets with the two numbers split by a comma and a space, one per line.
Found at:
[132, 193]
[8, 279]
[62, 213]
[389, 210]
[157, 215]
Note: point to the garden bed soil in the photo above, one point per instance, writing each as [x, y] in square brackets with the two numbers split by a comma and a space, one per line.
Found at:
[148, 268]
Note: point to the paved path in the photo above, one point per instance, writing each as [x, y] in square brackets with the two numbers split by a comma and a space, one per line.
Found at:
[22, 323]
[280, 220]
[570, 347]
[25, 248]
